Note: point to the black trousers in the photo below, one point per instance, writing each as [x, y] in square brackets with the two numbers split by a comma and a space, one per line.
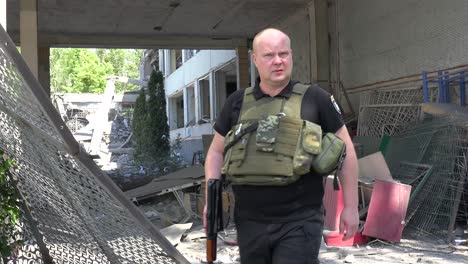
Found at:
[296, 242]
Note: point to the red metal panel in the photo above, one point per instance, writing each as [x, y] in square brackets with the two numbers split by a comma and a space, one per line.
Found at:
[335, 239]
[387, 210]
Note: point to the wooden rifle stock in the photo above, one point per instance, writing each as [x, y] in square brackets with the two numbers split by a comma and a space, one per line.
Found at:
[214, 217]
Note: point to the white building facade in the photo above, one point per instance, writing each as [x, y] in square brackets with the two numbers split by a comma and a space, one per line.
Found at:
[197, 83]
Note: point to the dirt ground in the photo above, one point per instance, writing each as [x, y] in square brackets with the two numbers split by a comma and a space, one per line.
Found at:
[192, 246]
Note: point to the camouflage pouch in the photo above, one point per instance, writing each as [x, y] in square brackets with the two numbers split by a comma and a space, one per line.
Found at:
[266, 133]
[309, 145]
[332, 150]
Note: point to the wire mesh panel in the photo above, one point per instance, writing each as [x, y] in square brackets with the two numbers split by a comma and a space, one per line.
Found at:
[440, 142]
[77, 215]
[386, 112]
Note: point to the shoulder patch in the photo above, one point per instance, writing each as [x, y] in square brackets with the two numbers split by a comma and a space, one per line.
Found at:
[337, 108]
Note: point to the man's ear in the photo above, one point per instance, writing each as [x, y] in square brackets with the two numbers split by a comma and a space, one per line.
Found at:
[254, 59]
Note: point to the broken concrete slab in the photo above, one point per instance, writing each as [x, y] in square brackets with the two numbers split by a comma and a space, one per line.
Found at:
[173, 233]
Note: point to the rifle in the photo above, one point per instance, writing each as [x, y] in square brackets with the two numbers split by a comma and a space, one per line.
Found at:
[214, 217]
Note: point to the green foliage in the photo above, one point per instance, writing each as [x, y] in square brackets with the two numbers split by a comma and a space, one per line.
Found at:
[138, 126]
[174, 161]
[124, 62]
[150, 128]
[10, 213]
[157, 117]
[77, 70]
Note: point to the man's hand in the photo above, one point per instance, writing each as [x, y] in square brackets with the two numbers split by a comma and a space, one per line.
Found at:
[349, 222]
[204, 217]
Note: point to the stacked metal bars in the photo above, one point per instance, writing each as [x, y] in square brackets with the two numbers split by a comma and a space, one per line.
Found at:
[442, 142]
[386, 112]
[438, 88]
[77, 214]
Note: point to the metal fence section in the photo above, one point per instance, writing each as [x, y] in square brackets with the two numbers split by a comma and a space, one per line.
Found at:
[437, 147]
[386, 112]
[73, 213]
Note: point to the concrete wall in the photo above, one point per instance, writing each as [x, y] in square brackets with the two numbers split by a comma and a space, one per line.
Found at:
[382, 40]
[297, 27]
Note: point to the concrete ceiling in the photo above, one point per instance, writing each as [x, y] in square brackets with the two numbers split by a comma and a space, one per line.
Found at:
[152, 23]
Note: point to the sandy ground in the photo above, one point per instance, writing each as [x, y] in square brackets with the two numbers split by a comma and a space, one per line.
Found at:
[192, 246]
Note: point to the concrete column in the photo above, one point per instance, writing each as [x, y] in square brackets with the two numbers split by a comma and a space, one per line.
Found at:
[319, 55]
[44, 68]
[253, 69]
[161, 61]
[186, 98]
[3, 14]
[173, 61]
[312, 43]
[28, 35]
[184, 55]
[242, 65]
[167, 62]
[220, 82]
[213, 92]
[198, 109]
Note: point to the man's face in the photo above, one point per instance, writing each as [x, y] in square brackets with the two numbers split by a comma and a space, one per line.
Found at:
[273, 58]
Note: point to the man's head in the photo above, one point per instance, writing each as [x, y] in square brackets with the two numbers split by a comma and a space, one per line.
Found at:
[272, 55]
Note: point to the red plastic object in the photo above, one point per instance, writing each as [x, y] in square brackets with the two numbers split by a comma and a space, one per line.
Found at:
[387, 210]
[335, 239]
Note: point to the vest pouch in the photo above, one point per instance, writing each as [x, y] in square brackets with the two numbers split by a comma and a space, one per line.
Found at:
[264, 167]
[308, 147]
[266, 133]
[235, 155]
[287, 138]
[227, 156]
[333, 148]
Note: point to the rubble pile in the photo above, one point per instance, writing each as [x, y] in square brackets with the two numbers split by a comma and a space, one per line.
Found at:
[120, 136]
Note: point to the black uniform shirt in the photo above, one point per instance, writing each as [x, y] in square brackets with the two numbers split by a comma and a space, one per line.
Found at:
[294, 201]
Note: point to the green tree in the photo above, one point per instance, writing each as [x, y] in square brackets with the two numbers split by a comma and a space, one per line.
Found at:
[150, 128]
[10, 213]
[86, 70]
[157, 117]
[138, 127]
[125, 62]
[78, 71]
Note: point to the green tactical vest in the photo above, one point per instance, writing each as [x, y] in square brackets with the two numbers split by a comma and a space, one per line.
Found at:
[271, 144]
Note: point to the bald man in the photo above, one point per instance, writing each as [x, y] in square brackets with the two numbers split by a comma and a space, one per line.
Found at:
[283, 224]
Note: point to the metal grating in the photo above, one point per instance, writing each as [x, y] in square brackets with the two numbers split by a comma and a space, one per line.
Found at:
[442, 143]
[386, 112]
[77, 214]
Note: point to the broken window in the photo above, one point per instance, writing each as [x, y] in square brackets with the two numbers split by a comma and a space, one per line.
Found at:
[205, 107]
[225, 83]
[176, 111]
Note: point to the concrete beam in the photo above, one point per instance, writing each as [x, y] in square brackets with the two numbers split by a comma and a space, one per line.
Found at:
[135, 42]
